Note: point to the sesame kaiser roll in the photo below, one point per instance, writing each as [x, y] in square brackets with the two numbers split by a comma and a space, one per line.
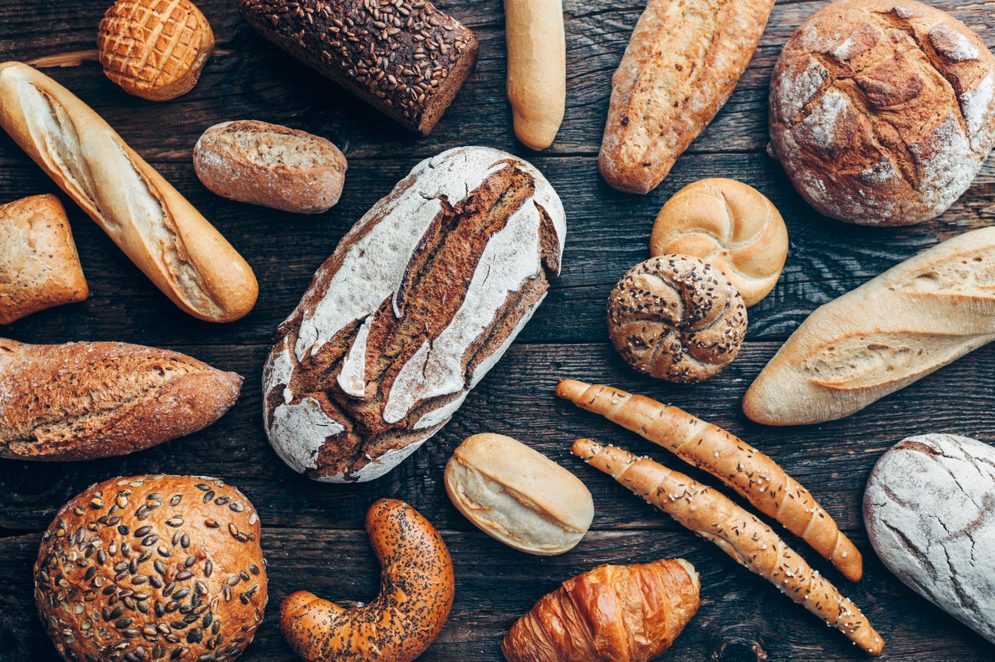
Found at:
[152, 568]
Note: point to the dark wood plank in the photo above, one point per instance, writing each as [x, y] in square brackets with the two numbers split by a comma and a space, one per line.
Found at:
[494, 587]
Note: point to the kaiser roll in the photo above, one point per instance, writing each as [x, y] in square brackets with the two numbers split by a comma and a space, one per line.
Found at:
[152, 568]
[881, 111]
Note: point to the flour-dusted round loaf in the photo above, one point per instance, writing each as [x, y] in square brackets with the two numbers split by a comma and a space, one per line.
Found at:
[418, 302]
[729, 225]
[929, 508]
[152, 568]
[882, 112]
[677, 318]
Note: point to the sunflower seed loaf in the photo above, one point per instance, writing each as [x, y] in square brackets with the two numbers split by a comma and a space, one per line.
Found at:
[418, 302]
[405, 58]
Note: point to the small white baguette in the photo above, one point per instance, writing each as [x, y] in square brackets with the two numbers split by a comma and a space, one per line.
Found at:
[162, 233]
[908, 322]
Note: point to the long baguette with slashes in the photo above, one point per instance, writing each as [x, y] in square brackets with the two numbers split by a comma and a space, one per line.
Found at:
[730, 459]
[738, 533]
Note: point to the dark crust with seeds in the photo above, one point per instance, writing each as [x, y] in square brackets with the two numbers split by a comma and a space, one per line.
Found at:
[405, 58]
[131, 570]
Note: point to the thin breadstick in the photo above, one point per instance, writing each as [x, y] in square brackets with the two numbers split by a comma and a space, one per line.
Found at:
[737, 464]
[738, 533]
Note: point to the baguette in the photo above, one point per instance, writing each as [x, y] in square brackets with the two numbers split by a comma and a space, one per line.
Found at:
[738, 533]
[681, 66]
[537, 69]
[895, 329]
[162, 233]
[737, 464]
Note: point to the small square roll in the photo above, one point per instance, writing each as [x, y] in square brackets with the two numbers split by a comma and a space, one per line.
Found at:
[39, 266]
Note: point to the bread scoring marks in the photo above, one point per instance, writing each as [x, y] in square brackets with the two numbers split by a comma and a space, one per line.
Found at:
[511, 258]
[976, 105]
[930, 512]
[953, 44]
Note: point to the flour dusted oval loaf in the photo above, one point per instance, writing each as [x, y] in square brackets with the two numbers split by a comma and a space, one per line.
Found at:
[418, 302]
[895, 329]
[883, 111]
[928, 512]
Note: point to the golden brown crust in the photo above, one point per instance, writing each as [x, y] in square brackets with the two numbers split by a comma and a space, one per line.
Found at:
[81, 401]
[730, 459]
[416, 594]
[629, 613]
[150, 563]
[681, 65]
[729, 225]
[676, 318]
[192, 263]
[39, 266]
[154, 49]
[882, 112]
[738, 533]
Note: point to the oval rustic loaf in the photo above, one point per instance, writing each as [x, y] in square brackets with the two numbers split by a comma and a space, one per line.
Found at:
[418, 302]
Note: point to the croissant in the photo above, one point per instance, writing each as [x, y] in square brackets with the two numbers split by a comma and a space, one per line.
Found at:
[613, 613]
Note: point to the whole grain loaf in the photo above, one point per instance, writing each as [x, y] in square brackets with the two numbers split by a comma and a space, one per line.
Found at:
[405, 58]
[418, 302]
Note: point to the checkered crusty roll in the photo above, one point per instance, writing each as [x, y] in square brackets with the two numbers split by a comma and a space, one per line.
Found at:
[154, 49]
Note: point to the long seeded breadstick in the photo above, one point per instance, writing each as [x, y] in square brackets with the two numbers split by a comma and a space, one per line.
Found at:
[730, 459]
[738, 533]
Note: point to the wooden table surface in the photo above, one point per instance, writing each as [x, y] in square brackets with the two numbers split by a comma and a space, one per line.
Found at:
[312, 533]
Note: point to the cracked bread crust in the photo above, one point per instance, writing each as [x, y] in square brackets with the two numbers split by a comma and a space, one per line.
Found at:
[930, 516]
[418, 302]
[82, 401]
[882, 112]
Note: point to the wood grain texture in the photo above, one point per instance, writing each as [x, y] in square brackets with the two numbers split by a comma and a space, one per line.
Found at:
[314, 531]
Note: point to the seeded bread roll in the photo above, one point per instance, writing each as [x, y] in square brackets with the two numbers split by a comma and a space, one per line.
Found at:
[82, 401]
[39, 266]
[882, 112]
[676, 318]
[270, 165]
[152, 567]
[405, 58]
[518, 495]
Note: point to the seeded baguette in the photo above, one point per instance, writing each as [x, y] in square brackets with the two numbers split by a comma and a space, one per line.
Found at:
[405, 58]
[82, 401]
[737, 464]
[738, 533]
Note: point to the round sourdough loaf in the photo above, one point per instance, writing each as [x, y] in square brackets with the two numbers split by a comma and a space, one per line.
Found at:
[729, 225]
[676, 318]
[881, 111]
[152, 568]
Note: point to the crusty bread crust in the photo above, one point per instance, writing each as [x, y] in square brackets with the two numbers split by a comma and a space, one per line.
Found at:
[681, 66]
[417, 303]
[882, 112]
[888, 333]
[82, 401]
[162, 233]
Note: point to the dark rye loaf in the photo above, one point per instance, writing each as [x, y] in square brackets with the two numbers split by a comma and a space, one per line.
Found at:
[81, 401]
[420, 299]
[405, 58]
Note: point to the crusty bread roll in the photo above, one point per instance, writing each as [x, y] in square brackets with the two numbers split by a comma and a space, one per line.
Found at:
[537, 69]
[417, 303]
[895, 329]
[270, 165]
[154, 49]
[681, 66]
[162, 233]
[729, 225]
[883, 111]
[82, 401]
[518, 495]
[39, 266]
[152, 568]
[614, 613]
[676, 318]
[417, 587]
